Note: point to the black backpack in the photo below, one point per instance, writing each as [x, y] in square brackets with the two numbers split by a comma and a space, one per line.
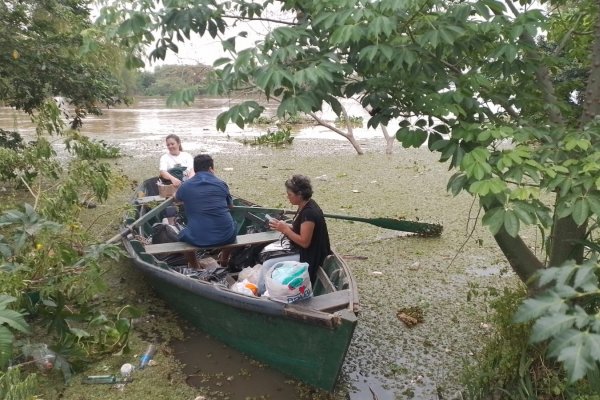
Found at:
[164, 233]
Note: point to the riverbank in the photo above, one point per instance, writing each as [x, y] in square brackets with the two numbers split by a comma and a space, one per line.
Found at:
[392, 271]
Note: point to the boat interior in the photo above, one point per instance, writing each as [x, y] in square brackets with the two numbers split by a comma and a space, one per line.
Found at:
[333, 289]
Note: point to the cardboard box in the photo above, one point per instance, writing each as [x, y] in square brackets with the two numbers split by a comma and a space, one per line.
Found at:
[166, 190]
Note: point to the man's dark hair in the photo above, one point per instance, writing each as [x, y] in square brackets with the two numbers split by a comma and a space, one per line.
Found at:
[203, 162]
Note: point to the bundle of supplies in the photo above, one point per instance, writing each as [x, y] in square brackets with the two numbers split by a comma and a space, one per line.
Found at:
[288, 282]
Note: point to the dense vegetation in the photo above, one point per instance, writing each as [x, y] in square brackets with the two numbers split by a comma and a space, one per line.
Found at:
[50, 269]
[168, 79]
[514, 112]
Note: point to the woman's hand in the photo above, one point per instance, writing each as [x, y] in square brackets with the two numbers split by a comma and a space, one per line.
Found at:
[175, 182]
[278, 225]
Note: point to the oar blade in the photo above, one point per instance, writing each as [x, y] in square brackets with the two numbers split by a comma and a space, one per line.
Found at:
[423, 229]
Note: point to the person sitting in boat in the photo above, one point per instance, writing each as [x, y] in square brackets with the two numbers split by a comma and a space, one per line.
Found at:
[207, 203]
[308, 231]
[176, 165]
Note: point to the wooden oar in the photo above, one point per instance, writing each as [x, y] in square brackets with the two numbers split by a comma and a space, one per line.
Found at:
[141, 220]
[420, 228]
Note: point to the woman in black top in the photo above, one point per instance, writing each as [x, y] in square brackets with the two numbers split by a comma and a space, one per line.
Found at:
[308, 231]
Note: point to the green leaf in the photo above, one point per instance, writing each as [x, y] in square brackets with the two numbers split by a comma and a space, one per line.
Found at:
[222, 120]
[585, 277]
[576, 361]
[5, 300]
[480, 188]
[229, 44]
[6, 346]
[380, 25]
[368, 53]
[79, 333]
[410, 138]
[457, 183]
[538, 306]
[123, 325]
[14, 320]
[593, 341]
[524, 213]
[511, 223]
[443, 129]
[494, 219]
[581, 211]
[594, 203]
[549, 326]
[562, 340]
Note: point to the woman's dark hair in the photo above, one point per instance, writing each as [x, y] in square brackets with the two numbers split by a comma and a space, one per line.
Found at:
[175, 138]
[300, 185]
[203, 162]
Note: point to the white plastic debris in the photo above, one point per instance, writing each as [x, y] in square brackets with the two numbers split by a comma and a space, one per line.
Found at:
[126, 370]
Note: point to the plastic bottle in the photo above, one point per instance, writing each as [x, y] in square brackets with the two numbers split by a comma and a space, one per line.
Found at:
[109, 379]
[148, 354]
[43, 357]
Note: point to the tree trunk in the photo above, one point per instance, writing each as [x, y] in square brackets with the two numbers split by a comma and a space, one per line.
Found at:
[565, 241]
[389, 140]
[519, 255]
[566, 237]
[591, 105]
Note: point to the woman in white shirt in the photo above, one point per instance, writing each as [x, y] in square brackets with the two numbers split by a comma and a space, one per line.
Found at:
[175, 157]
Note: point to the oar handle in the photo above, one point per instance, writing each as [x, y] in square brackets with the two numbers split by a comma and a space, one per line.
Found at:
[347, 217]
[421, 228]
[141, 220]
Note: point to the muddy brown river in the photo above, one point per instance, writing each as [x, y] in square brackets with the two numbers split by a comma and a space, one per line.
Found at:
[387, 359]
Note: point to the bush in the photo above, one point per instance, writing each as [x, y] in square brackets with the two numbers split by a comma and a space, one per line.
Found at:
[510, 367]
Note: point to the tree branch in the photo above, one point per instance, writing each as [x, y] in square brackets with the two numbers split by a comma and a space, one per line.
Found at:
[277, 21]
[541, 73]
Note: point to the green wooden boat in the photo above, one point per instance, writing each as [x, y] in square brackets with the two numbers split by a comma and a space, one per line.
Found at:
[306, 340]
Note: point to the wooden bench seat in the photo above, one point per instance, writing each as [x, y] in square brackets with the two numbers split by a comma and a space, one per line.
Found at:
[242, 240]
[149, 199]
[327, 302]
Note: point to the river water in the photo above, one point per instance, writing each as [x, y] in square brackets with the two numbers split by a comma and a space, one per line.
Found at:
[148, 120]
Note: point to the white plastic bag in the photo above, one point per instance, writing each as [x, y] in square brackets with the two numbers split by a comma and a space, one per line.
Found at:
[252, 274]
[288, 281]
[244, 287]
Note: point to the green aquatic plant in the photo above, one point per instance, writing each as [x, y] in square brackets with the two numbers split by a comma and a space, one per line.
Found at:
[351, 120]
[281, 137]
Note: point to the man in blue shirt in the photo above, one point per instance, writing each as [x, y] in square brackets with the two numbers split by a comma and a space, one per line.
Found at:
[207, 202]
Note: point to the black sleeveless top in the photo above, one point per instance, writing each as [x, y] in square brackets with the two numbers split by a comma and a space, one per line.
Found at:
[319, 247]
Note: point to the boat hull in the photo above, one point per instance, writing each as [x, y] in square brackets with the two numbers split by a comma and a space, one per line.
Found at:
[311, 349]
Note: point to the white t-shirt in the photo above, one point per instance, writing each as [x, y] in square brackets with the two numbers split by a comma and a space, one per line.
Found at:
[168, 161]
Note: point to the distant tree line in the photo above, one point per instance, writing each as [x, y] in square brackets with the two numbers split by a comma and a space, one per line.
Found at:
[167, 79]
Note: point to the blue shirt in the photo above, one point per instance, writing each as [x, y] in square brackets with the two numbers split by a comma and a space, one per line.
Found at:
[206, 200]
